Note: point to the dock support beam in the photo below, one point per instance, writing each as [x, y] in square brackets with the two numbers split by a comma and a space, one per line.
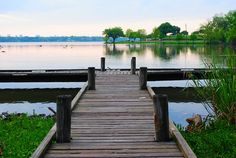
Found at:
[161, 117]
[63, 119]
[143, 78]
[91, 78]
[103, 64]
[133, 65]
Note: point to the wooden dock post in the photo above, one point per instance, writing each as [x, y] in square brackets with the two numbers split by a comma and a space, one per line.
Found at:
[143, 78]
[91, 78]
[63, 119]
[133, 65]
[161, 117]
[103, 64]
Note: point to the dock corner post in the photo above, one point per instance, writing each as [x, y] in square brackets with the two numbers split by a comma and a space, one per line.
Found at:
[161, 117]
[143, 78]
[133, 65]
[63, 131]
[103, 64]
[91, 78]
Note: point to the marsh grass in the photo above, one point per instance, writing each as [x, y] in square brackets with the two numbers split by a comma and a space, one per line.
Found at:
[219, 91]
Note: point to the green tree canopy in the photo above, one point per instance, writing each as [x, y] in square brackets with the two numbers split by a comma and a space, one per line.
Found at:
[220, 29]
[113, 33]
[184, 32]
[128, 33]
[166, 27]
[155, 33]
[141, 34]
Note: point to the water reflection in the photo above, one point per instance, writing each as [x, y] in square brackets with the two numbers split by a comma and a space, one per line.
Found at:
[31, 100]
[83, 55]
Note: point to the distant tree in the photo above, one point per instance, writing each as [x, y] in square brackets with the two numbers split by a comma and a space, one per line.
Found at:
[134, 35]
[106, 38]
[231, 32]
[175, 30]
[113, 33]
[179, 37]
[196, 32]
[128, 34]
[184, 33]
[165, 28]
[156, 33]
[141, 34]
[193, 37]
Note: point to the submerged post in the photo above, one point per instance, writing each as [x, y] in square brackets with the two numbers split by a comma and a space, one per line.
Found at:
[91, 78]
[161, 117]
[133, 65]
[143, 78]
[63, 119]
[103, 64]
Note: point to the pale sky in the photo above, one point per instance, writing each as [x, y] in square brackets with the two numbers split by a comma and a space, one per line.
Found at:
[91, 17]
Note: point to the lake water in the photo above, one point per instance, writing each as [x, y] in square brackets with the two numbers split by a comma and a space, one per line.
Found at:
[18, 56]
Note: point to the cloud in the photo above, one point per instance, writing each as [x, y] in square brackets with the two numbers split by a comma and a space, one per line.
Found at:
[12, 18]
[84, 17]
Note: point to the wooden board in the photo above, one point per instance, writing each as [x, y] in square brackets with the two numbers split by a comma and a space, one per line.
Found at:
[115, 120]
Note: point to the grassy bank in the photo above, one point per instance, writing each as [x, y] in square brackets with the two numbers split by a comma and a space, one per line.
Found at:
[218, 140]
[20, 135]
[182, 42]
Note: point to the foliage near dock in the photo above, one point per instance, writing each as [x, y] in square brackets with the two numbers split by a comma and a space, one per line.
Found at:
[20, 135]
[216, 140]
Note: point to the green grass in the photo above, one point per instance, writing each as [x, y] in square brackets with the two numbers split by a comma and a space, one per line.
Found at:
[216, 141]
[20, 135]
[182, 42]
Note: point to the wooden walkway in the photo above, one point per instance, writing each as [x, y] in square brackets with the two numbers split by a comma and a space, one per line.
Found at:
[115, 120]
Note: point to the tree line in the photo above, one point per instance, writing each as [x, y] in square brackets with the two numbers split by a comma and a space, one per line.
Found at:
[221, 29]
[158, 33]
[50, 39]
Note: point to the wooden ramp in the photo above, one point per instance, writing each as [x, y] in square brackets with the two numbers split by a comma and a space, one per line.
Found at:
[115, 120]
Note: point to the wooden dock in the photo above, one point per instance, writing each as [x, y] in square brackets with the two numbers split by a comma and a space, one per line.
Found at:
[115, 120]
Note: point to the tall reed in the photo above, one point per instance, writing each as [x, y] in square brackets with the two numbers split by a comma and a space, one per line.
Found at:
[219, 91]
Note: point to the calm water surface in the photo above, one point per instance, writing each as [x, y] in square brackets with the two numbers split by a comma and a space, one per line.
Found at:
[83, 55]
[15, 56]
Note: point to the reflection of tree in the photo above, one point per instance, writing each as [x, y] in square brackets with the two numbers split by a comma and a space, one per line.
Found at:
[113, 51]
[160, 50]
[216, 53]
[168, 52]
[139, 49]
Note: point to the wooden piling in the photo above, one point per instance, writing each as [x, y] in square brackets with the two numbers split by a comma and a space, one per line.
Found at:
[91, 78]
[103, 64]
[63, 119]
[143, 78]
[161, 117]
[133, 65]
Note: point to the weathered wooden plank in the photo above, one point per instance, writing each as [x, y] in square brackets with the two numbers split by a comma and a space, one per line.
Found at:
[41, 149]
[113, 151]
[115, 155]
[75, 101]
[183, 145]
[115, 120]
